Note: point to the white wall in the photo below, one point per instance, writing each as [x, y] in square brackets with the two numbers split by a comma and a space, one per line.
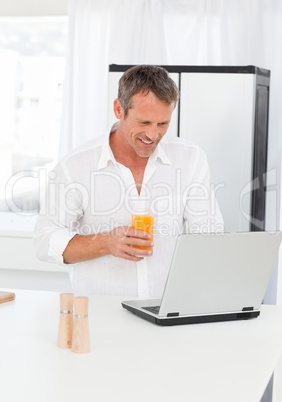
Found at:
[33, 7]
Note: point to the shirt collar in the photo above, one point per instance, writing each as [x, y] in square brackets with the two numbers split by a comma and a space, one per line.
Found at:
[107, 154]
[160, 154]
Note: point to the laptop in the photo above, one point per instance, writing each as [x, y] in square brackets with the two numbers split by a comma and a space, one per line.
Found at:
[213, 277]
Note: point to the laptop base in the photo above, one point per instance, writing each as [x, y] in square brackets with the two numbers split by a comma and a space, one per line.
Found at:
[199, 319]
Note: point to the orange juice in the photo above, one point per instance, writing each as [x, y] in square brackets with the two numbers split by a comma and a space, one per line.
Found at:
[145, 223]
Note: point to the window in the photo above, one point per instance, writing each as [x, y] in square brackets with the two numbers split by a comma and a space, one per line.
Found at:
[32, 66]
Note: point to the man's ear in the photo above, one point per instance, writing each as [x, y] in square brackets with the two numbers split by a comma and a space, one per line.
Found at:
[118, 110]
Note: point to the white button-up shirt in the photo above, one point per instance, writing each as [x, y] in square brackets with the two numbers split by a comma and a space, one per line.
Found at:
[90, 192]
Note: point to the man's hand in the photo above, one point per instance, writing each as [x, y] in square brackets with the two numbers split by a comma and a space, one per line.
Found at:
[121, 241]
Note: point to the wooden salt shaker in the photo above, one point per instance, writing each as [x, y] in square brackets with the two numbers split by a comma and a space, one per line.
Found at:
[66, 321]
[81, 341]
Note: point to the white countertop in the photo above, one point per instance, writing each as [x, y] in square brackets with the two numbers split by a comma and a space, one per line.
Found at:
[132, 359]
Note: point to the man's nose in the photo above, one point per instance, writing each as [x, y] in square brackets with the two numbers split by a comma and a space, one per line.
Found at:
[152, 132]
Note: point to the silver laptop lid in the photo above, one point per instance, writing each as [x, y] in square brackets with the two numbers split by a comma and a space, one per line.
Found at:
[216, 273]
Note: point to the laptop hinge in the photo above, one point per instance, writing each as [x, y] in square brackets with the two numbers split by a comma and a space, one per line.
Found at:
[172, 315]
[247, 309]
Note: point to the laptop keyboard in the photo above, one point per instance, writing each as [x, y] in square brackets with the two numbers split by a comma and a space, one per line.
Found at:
[152, 309]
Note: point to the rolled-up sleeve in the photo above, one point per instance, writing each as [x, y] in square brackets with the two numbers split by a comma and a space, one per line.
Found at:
[61, 206]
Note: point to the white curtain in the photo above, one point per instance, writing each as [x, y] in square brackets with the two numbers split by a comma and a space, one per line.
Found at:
[103, 32]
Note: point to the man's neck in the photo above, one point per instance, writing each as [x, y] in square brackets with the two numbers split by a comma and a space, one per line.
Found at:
[125, 155]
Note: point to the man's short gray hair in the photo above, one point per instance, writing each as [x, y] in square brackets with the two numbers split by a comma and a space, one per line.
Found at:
[144, 79]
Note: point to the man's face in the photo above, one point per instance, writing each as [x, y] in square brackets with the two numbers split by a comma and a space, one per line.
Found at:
[145, 125]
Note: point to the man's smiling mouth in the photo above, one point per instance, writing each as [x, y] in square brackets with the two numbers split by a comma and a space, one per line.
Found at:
[146, 142]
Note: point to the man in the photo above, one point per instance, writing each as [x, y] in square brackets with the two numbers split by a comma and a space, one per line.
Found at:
[85, 220]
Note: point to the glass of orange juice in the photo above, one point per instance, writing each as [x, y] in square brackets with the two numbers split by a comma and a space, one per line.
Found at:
[143, 220]
[145, 223]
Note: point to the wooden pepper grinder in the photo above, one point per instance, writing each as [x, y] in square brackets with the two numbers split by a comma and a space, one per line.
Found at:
[66, 321]
[80, 340]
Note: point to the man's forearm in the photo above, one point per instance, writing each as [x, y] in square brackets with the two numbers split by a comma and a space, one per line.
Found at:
[82, 248]
[120, 242]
